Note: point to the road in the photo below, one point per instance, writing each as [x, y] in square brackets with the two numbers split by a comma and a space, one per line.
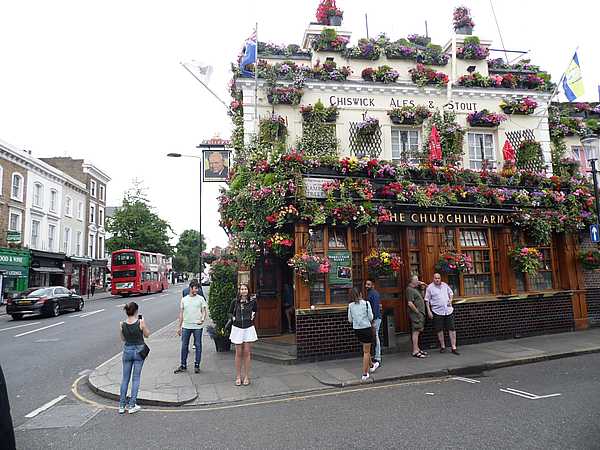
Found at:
[41, 366]
[550, 405]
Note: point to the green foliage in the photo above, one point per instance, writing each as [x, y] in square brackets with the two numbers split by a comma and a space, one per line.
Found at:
[188, 249]
[272, 129]
[530, 157]
[471, 40]
[318, 139]
[451, 136]
[136, 226]
[223, 290]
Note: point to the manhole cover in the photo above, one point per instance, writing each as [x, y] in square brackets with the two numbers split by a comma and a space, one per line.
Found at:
[61, 417]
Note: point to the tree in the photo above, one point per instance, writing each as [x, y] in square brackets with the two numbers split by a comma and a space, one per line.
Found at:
[187, 251]
[135, 225]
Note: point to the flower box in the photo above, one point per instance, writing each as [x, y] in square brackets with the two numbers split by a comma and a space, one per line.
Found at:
[484, 118]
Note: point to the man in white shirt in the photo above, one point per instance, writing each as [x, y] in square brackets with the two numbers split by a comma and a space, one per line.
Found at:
[439, 296]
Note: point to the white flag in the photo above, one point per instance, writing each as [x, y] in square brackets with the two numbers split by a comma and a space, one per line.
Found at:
[200, 69]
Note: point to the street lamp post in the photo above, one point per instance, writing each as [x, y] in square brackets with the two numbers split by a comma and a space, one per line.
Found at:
[590, 140]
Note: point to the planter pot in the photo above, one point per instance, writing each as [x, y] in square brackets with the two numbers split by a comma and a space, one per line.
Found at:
[404, 121]
[508, 110]
[222, 343]
[483, 125]
[468, 30]
[323, 171]
[335, 21]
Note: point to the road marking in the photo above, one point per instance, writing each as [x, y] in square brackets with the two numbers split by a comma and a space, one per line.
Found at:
[39, 329]
[164, 295]
[91, 313]
[43, 408]
[120, 306]
[466, 380]
[146, 299]
[527, 395]
[20, 326]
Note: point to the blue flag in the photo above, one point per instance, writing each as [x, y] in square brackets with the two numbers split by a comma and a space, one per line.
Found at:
[249, 56]
[572, 81]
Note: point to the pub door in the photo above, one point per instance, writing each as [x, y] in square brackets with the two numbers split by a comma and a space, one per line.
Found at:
[268, 290]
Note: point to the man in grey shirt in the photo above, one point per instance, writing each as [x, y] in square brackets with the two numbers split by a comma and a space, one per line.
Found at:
[439, 296]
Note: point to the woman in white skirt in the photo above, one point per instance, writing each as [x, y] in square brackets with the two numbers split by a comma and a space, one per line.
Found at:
[242, 311]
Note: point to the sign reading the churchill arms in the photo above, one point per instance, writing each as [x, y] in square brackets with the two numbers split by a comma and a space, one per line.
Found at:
[450, 218]
[340, 271]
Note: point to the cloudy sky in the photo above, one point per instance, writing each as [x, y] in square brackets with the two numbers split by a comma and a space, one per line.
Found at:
[101, 80]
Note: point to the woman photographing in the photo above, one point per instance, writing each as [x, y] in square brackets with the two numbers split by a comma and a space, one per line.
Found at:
[360, 315]
[132, 330]
[242, 312]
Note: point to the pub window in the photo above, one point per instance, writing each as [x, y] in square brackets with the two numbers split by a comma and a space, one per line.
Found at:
[388, 239]
[405, 145]
[543, 280]
[414, 254]
[481, 147]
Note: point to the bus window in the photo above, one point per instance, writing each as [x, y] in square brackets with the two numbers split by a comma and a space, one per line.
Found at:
[153, 259]
[121, 259]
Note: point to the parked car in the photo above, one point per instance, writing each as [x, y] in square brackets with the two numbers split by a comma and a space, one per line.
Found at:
[48, 301]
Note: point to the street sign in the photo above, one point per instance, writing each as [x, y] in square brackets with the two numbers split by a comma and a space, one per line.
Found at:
[595, 232]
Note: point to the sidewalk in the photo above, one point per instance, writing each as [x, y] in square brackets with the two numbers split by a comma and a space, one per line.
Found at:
[215, 383]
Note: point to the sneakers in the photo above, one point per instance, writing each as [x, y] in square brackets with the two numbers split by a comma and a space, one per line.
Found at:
[121, 410]
[375, 366]
[196, 369]
[135, 409]
[180, 369]
[365, 377]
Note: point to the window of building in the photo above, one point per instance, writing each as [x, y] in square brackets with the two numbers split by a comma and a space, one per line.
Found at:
[14, 222]
[78, 243]
[475, 243]
[543, 280]
[93, 188]
[100, 247]
[80, 210]
[53, 200]
[35, 233]
[67, 241]
[405, 145]
[38, 195]
[481, 147]
[101, 192]
[92, 214]
[16, 191]
[100, 216]
[91, 246]
[68, 206]
[414, 253]
[51, 231]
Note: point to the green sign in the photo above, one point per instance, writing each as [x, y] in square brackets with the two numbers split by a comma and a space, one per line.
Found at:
[13, 237]
[340, 272]
[13, 258]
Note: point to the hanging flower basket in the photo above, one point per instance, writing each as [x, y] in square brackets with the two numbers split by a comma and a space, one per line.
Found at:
[526, 260]
[409, 115]
[382, 263]
[523, 106]
[285, 95]
[589, 259]
[368, 127]
[280, 244]
[463, 24]
[308, 265]
[454, 263]
[484, 118]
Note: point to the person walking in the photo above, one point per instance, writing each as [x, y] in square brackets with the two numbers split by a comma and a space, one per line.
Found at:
[193, 311]
[439, 296]
[242, 312]
[416, 312]
[93, 288]
[374, 300]
[360, 315]
[133, 330]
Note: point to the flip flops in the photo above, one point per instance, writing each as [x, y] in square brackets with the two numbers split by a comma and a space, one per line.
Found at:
[419, 355]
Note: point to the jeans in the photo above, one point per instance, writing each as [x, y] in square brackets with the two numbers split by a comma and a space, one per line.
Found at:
[377, 324]
[132, 362]
[185, 344]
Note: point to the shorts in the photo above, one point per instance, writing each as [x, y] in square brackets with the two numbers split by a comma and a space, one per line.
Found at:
[417, 322]
[443, 322]
[364, 335]
[241, 335]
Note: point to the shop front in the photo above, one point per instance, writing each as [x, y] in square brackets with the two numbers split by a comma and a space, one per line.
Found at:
[14, 272]
[77, 274]
[47, 269]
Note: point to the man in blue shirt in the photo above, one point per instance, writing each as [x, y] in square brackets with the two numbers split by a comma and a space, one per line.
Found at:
[374, 299]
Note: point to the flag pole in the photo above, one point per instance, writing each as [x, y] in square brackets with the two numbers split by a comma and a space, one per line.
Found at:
[256, 80]
[202, 83]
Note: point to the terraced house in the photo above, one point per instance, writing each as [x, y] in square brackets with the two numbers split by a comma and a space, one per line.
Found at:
[391, 156]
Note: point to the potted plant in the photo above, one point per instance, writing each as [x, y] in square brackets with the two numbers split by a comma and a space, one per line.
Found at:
[328, 13]
[223, 289]
[433, 55]
[383, 74]
[484, 118]
[382, 263]
[365, 49]
[307, 265]
[329, 41]
[526, 260]
[272, 128]
[335, 16]
[368, 126]
[401, 49]
[417, 39]
[524, 106]
[409, 115]
[471, 49]
[284, 95]
[568, 167]
[319, 112]
[589, 259]
[454, 263]
[422, 76]
[280, 244]
[463, 24]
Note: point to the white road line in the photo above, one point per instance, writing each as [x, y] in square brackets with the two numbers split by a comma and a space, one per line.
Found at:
[43, 408]
[120, 306]
[466, 380]
[20, 326]
[164, 295]
[91, 313]
[146, 299]
[40, 329]
[527, 395]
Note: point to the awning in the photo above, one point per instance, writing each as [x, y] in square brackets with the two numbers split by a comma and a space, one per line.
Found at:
[47, 269]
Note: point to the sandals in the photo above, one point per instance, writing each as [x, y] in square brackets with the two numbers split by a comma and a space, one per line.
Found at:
[419, 354]
[246, 381]
[238, 382]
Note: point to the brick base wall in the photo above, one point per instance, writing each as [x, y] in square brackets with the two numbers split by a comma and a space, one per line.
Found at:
[593, 305]
[328, 335]
[591, 280]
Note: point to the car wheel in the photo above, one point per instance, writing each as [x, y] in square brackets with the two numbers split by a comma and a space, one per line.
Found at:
[55, 310]
[80, 305]
[17, 316]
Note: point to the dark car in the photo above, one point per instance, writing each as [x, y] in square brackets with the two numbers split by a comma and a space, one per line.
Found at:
[48, 301]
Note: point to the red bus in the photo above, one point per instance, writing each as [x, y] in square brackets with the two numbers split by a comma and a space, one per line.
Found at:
[136, 272]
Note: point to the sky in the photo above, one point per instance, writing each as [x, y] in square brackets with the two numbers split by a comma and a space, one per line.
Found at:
[101, 80]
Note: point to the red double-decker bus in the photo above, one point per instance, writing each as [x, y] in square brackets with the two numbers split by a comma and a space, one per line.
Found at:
[136, 272]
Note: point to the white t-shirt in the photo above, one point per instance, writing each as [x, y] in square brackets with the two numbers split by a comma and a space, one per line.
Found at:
[192, 311]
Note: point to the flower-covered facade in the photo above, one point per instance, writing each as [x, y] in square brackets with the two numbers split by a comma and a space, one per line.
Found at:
[350, 179]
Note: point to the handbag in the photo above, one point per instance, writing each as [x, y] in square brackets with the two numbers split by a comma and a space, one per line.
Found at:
[373, 329]
[144, 352]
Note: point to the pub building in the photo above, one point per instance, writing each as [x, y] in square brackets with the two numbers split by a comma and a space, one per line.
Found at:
[367, 205]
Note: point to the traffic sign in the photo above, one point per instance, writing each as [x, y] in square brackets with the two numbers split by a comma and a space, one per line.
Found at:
[595, 232]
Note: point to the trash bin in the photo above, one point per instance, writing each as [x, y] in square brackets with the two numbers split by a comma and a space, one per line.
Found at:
[389, 328]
